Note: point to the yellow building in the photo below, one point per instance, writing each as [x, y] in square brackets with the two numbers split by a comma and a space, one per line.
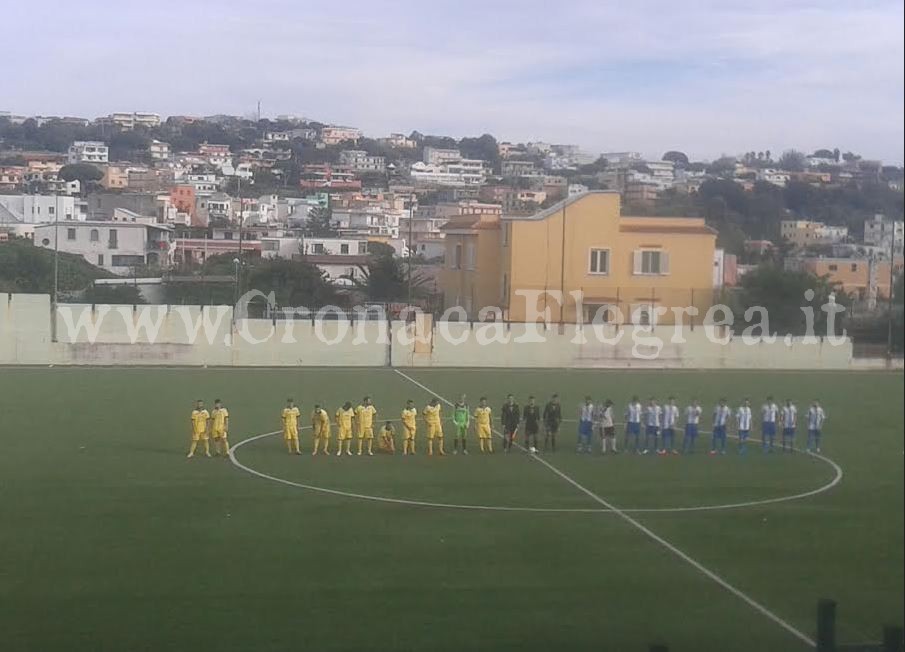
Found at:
[582, 244]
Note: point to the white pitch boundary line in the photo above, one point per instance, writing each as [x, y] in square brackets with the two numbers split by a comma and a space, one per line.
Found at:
[384, 499]
[751, 602]
[548, 510]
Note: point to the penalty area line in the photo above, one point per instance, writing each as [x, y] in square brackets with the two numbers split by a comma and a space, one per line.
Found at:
[751, 602]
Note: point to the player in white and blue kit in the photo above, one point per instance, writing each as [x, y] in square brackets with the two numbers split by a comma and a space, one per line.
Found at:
[743, 418]
[721, 415]
[769, 413]
[670, 419]
[585, 425]
[789, 419]
[633, 425]
[692, 419]
[816, 417]
[652, 416]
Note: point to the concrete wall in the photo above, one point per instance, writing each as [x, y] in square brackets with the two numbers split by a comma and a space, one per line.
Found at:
[163, 335]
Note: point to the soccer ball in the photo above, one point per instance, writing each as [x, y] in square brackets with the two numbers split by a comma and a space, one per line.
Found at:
[532, 449]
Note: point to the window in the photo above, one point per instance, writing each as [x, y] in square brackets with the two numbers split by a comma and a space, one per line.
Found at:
[506, 234]
[343, 248]
[45, 242]
[457, 259]
[362, 247]
[112, 239]
[651, 262]
[227, 235]
[70, 234]
[643, 315]
[470, 256]
[127, 261]
[94, 235]
[599, 313]
[599, 261]
[318, 247]
[854, 267]
[833, 268]
[50, 210]
[100, 259]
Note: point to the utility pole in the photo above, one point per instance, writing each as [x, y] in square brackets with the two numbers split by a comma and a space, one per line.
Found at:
[890, 300]
[410, 243]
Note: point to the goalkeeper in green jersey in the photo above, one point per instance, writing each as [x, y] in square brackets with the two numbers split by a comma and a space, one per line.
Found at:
[461, 419]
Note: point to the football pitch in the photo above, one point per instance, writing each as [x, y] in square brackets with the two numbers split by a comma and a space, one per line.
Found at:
[110, 539]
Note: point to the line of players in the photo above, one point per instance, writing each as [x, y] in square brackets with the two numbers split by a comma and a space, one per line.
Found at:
[659, 424]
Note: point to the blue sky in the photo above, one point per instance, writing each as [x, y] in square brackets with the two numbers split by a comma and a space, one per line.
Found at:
[708, 77]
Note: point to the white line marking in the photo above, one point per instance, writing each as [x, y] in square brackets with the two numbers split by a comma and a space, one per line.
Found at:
[652, 535]
[383, 499]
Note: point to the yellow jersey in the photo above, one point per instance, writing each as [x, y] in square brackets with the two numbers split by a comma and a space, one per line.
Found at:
[388, 433]
[320, 421]
[218, 418]
[290, 418]
[482, 415]
[432, 414]
[408, 417]
[199, 421]
[344, 418]
[365, 415]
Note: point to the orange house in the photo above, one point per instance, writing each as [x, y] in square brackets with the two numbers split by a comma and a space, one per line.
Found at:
[182, 196]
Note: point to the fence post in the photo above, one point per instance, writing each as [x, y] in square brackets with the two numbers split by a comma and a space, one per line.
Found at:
[826, 625]
[892, 639]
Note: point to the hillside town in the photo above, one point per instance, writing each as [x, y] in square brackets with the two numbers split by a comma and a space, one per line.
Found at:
[141, 196]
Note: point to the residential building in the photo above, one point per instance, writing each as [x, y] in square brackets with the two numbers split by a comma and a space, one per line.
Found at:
[115, 177]
[38, 209]
[129, 241]
[803, 233]
[160, 151]
[88, 151]
[622, 158]
[373, 220]
[758, 247]
[360, 161]
[776, 177]
[11, 176]
[130, 121]
[183, 197]
[277, 137]
[460, 172]
[884, 233]
[643, 193]
[399, 141]
[314, 246]
[334, 135]
[324, 176]
[100, 206]
[865, 278]
[438, 155]
[513, 168]
[583, 243]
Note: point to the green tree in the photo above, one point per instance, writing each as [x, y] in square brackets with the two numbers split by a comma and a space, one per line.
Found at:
[386, 279]
[85, 173]
[782, 294]
[679, 158]
[792, 160]
[320, 223]
[27, 268]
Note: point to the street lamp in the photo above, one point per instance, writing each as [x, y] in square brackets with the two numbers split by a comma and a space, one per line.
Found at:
[237, 263]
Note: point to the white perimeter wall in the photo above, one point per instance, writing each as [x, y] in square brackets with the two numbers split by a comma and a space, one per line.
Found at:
[121, 335]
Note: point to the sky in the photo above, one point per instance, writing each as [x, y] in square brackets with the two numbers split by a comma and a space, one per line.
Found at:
[707, 77]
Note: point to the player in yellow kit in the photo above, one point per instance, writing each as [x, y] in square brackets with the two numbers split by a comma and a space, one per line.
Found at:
[387, 442]
[290, 419]
[434, 426]
[200, 422]
[320, 427]
[483, 416]
[344, 416]
[220, 428]
[409, 427]
[364, 420]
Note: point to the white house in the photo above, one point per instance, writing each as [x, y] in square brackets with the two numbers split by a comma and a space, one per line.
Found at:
[438, 155]
[360, 161]
[120, 245]
[37, 209]
[88, 151]
[883, 232]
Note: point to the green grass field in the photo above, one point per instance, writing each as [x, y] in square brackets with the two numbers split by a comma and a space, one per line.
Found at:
[111, 540]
